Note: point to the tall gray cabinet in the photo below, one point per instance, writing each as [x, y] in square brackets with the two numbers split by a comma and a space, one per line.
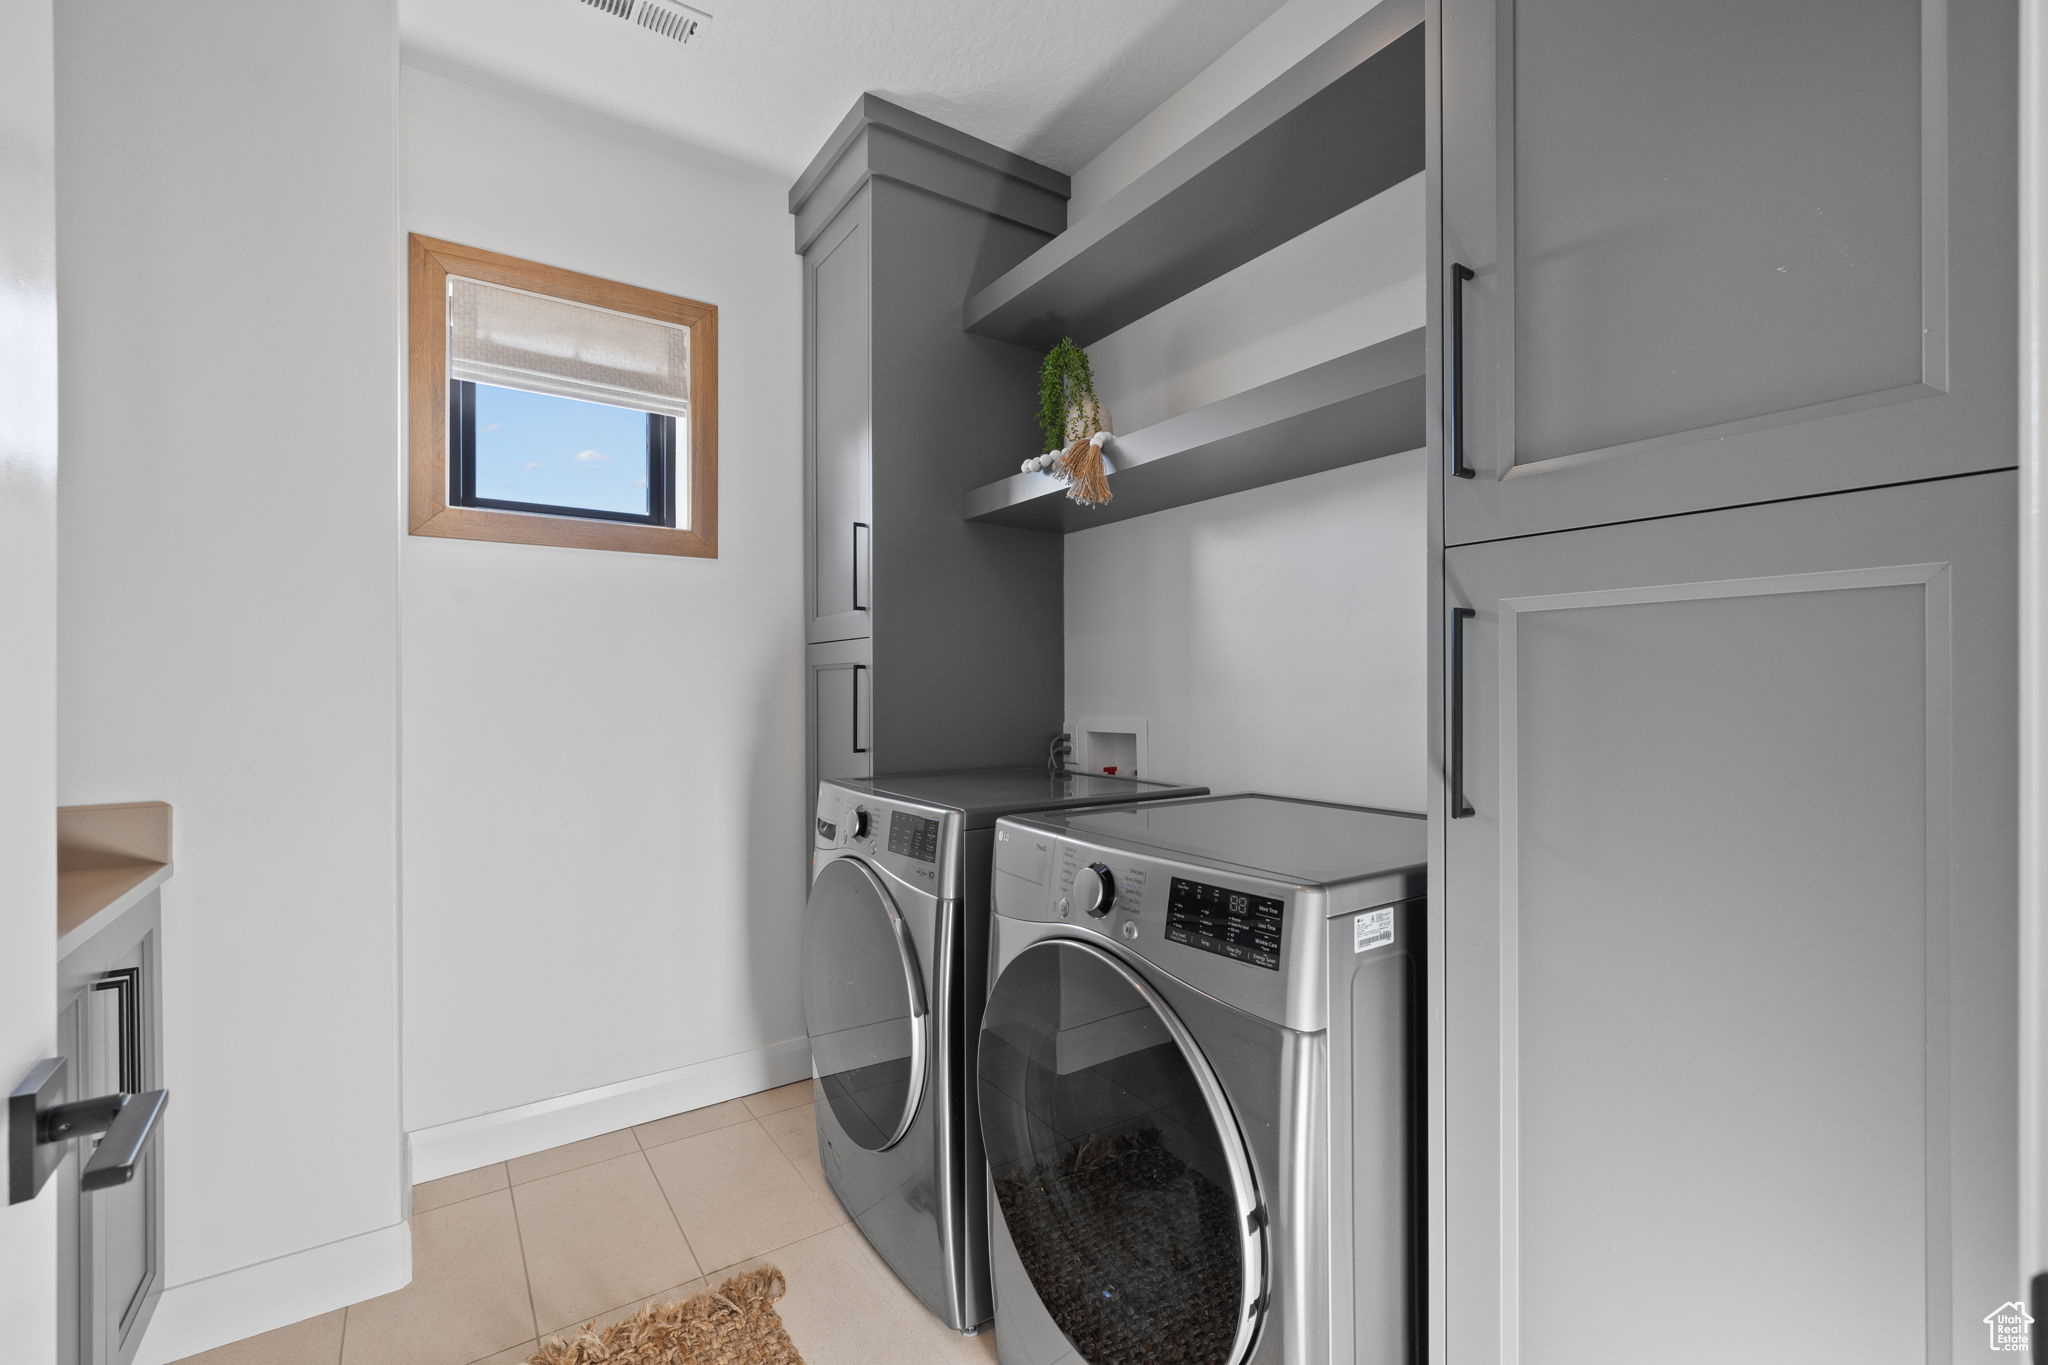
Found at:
[1724, 1016]
[932, 642]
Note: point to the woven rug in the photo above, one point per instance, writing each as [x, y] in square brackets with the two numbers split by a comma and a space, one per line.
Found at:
[734, 1324]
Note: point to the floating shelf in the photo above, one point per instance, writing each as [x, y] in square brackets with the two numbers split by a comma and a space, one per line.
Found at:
[1345, 411]
[1336, 129]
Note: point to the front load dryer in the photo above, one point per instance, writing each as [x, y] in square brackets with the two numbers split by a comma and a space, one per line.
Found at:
[1200, 1085]
[894, 970]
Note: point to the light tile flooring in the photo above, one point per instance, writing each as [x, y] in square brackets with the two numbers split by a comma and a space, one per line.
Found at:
[513, 1253]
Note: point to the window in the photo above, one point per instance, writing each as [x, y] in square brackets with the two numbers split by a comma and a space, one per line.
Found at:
[552, 408]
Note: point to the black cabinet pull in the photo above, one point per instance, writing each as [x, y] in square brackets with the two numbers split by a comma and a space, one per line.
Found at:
[858, 747]
[125, 982]
[858, 528]
[1454, 395]
[1460, 807]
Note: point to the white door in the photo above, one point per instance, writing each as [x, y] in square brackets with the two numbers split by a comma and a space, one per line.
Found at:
[28, 654]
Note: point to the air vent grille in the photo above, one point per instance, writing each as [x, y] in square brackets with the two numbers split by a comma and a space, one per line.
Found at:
[669, 18]
[670, 21]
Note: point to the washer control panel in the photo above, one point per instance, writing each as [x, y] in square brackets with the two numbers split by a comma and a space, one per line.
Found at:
[1093, 891]
[1232, 924]
[914, 836]
[1252, 941]
[918, 846]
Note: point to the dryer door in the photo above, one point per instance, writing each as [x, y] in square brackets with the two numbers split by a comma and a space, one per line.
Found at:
[1117, 1166]
[864, 1004]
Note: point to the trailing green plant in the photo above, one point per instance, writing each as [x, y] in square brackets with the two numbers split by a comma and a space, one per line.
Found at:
[1074, 424]
[1065, 382]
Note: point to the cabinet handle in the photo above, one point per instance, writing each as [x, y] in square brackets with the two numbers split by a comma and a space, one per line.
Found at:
[858, 747]
[1460, 807]
[125, 982]
[859, 528]
[1454, 397]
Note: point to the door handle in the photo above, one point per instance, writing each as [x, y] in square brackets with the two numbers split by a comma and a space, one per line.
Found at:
[1460, 807]
[860, 528]
[129, 1122]
[40, 1122]
[1454, 389]
[858, 747]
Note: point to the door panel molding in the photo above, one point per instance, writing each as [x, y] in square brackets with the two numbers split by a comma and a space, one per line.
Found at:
[1954, 416]
[1934, 581]
[1938, 998]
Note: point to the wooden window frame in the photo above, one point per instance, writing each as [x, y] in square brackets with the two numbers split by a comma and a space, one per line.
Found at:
[432, 262]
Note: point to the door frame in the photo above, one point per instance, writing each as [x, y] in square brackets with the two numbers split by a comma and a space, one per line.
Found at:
[2033, 351]
[28, 622]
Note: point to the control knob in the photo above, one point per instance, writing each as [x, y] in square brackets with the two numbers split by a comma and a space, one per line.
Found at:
[857, 826]
[1094, 890]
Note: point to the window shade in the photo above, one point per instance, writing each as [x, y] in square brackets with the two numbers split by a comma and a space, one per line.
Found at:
[521, 340]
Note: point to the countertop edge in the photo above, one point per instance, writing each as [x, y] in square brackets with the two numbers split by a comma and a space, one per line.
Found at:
[91, 925]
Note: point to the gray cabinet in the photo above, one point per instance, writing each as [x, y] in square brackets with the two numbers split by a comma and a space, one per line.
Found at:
[1721, 254]
[934, 642]
[840, 700]
[838, 499]
[111, 1241]
[1728, 1017]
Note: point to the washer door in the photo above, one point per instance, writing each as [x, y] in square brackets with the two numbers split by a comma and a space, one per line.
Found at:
[1116, 1163]
[864, 1005]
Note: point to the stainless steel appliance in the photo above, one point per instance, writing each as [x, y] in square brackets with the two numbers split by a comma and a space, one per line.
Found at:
[1200, 1084]
[895, 955]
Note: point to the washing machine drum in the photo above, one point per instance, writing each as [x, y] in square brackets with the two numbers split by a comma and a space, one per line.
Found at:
[1117, 1167]
[864, 1005]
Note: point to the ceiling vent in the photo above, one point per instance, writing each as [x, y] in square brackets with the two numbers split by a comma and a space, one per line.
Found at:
[669, 18]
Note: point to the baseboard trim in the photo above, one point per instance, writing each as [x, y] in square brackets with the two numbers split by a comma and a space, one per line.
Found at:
[236, 1304]
[468, 1143]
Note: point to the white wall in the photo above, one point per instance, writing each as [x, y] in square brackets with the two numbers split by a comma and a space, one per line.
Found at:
[28, 626]
[1275, 639]
[1271, 638]
[229, 286]
[603, 751]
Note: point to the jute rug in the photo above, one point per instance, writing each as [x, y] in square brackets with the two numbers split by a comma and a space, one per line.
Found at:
[734, 1324]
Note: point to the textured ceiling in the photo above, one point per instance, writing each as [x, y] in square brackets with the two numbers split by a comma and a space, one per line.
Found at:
[1057, 80]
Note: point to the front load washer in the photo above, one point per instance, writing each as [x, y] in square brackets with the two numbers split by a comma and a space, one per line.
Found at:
[894, 970]
[1200, 1085]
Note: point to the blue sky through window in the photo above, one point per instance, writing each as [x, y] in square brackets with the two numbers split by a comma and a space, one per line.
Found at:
[535, 447]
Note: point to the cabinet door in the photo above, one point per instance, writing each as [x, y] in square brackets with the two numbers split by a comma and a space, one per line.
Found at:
[838, 341]
[111, 1016]
[841, 697]
[1722, 253]
[1729, 1015]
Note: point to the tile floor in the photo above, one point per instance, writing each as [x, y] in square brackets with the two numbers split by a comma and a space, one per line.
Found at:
[513, 1253]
